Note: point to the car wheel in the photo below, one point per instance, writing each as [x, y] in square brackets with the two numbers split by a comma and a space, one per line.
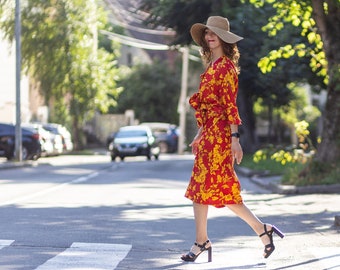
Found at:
[113, 158]
[24, 154]
[156, 157]
[122, 158]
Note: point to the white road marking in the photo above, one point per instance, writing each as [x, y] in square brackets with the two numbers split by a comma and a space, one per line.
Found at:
[88, 256]
[5, 243]
[48, 190]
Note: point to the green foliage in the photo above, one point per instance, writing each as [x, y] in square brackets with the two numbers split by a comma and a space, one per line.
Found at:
[318, 21]
[296, 164]
[268, 166]
[299, 108]
[152, 91]
[310, 173]
[298, 14]
[59, 50]
[313, 173]
[302, 153]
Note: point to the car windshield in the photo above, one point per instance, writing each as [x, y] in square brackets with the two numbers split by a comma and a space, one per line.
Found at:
[131, 133]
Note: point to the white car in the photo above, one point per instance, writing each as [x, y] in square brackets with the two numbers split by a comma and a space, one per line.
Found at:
[63, 132]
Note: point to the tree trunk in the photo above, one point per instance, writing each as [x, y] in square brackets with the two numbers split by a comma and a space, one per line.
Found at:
[328, 24]
[329, 148]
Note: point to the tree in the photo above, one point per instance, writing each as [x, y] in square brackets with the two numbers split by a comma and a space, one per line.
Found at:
[319, 21]
[59, 49]
[152, 91]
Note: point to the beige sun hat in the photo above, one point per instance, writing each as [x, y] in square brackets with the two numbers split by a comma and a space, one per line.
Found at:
[219, 25]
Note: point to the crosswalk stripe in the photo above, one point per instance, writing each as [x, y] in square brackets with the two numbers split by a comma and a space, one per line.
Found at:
[5, 243]
[86, 256]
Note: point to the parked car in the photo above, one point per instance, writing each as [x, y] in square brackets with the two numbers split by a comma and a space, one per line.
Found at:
[31, 142]
[166, 135]
[134, 141]
[63, 132]
[44, 137]
[51, 143]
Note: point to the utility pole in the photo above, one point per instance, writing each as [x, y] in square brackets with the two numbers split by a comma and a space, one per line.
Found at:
[182, 100]
[18, 135]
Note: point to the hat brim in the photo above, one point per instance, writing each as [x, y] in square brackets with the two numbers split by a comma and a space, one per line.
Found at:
[198, 29]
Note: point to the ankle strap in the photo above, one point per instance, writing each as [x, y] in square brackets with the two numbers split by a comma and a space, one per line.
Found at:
[202, 247]
[265, 231]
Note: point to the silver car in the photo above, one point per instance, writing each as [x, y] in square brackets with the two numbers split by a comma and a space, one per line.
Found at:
[134, 141]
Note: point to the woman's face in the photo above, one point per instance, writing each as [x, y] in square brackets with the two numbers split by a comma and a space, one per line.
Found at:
[212, 39]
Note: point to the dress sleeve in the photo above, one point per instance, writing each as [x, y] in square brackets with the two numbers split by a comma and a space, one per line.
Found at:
[194, 101]
[228, 94]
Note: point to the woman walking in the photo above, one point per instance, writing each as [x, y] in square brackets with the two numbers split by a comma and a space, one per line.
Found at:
[216, 145]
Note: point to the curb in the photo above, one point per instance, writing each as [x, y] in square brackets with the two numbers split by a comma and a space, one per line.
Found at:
[291, 189]
[273, 183]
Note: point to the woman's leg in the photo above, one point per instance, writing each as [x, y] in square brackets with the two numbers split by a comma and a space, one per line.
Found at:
[242, 211]
[201, 222]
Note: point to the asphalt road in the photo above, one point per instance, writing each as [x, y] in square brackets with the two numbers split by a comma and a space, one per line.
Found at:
[84, 212]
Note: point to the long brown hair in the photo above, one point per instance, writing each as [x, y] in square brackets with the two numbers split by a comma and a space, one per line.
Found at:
[229, 50]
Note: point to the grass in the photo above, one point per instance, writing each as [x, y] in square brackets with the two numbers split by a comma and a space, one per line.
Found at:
[270, 166]
[292, 172]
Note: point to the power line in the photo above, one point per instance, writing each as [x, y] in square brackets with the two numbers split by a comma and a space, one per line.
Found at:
[145, 30]
[146, 45]
[138, 43]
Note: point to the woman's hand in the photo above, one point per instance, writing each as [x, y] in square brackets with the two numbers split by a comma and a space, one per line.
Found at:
[194, 145]
[236, 150]
[196, 141]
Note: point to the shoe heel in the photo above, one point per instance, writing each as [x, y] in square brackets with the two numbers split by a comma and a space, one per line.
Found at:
[209, 254]
[278, 232]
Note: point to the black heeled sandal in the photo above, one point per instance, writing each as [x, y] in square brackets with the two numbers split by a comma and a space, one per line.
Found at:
[191, 257]
[269, 248]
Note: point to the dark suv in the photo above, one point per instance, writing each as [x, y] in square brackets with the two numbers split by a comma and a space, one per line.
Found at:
[31, 146]
[166, 135]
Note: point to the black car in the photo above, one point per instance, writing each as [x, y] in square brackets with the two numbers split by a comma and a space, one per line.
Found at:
[134, 141]
[31, 144]
[166, 135]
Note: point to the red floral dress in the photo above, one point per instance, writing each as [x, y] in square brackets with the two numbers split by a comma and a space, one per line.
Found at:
[213, 180]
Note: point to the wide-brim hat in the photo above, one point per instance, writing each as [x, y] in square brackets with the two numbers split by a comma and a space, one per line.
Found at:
[219, 25]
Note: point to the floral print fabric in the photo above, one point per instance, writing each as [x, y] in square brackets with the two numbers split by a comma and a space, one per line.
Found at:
[213, 180]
